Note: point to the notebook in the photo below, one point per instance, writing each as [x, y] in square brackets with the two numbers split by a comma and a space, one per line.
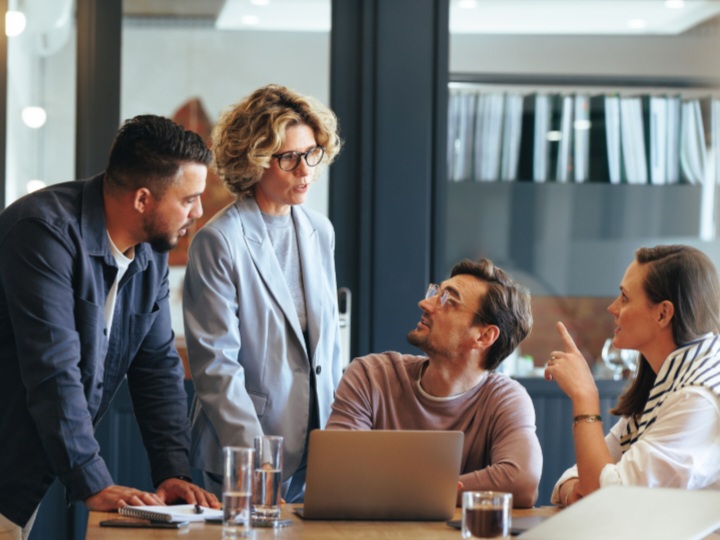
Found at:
[382, 475]
[171, 513]
[631, 513]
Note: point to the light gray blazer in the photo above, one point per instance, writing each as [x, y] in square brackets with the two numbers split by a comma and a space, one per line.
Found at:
[246, 350]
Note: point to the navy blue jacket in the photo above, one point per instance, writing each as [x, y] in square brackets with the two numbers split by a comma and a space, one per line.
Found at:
[58, 370]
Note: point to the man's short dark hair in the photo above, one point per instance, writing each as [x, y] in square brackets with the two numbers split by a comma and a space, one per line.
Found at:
[505, 305]
[148, 151]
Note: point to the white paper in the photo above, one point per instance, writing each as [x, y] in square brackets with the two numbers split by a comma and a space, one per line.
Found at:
[178, 512]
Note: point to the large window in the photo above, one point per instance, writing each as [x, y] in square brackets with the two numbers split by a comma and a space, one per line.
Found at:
[41, 95]
[569, 232]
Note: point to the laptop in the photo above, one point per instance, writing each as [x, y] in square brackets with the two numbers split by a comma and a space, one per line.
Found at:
[382, 475]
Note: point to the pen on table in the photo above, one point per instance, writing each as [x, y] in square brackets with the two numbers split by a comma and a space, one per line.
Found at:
[198, 509]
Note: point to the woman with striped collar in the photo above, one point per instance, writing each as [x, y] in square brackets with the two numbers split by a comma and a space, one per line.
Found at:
[668, 310]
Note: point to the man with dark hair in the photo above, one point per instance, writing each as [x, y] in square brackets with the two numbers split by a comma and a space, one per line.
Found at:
[470, 324]
[83, 303]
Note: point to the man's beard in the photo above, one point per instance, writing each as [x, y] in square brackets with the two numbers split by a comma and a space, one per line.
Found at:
[416, 340]
[159, 239]
[423, 341]
[163, 242]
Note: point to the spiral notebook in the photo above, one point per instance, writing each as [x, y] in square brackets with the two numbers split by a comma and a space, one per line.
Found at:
[170, 514]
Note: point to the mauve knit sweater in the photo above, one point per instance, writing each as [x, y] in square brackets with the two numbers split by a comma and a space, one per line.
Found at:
[501, 451]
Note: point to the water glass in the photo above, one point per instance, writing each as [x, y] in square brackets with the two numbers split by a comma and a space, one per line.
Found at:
[612, 358]
[268, 477]
[622, 362]
[486, 514]
[237, 491]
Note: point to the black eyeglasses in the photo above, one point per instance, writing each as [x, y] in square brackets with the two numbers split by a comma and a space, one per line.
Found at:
[288, 161]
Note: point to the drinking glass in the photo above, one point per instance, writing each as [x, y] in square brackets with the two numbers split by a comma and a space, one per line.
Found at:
[268, 476]
[237, 491]
[612, 358]
[486, 515]
[619, 360]
[630, 358]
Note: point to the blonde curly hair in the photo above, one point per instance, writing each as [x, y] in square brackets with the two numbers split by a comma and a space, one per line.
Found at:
[248, 133]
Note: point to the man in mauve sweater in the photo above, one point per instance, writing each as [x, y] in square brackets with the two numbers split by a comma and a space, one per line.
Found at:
[470, 324]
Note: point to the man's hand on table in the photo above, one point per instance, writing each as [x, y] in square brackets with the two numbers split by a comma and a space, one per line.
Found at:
[175, 490]
[113, 497]
[172, 490]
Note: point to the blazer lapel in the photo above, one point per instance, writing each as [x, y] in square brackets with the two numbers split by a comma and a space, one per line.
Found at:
[311, 261]
[263, 255]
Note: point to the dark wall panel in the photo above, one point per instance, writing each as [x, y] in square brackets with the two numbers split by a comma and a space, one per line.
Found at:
[99, 27]
[384, 88]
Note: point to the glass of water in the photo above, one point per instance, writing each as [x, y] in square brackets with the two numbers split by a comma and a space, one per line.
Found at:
[237, 491]
[612, 357]
[621, 362]
[268, 477]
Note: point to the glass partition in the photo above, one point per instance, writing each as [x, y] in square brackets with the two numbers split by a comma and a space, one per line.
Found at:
[40, 95]
[577, 134]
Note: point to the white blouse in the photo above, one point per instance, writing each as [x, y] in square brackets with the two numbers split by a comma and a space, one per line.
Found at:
[681, 449]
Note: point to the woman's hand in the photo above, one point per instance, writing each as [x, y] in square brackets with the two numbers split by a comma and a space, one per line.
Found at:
[571, 372]
[569, 492]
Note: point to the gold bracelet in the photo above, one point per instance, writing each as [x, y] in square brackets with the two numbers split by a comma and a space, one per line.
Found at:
[589, 418]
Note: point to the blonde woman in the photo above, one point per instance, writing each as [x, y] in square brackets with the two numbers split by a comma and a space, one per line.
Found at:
[260, 294]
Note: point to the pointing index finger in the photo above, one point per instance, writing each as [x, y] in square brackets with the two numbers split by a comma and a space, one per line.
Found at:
[566, 338]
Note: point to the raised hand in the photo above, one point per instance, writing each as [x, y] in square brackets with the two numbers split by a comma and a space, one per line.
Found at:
[570, 370]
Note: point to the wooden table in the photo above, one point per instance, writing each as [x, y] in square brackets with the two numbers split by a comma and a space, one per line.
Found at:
[306, 529]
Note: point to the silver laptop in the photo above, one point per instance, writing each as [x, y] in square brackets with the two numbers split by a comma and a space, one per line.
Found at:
[382, 475]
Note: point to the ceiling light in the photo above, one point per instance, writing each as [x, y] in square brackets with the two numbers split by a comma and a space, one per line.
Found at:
[279, 15]
[674, 4]
[637, 24]
[579, 17]
[34, 117]
[519, 17]
[260, 2]
[14, 23]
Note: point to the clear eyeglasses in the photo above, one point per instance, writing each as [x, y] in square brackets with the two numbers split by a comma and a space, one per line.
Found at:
[445, 296]
[288, 161]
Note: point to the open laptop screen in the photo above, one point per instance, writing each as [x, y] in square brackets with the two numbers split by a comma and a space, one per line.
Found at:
[382, 475]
